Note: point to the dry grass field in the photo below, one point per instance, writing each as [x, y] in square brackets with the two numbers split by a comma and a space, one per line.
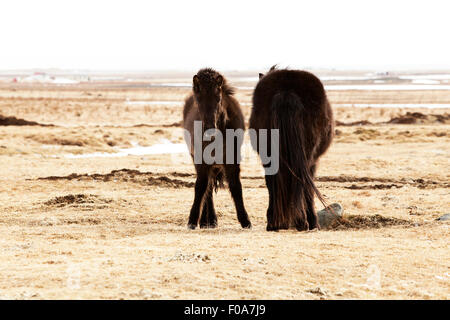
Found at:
[115, 227]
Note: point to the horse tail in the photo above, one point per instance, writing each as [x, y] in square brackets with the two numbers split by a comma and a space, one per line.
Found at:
[218, 177]
[293, 183]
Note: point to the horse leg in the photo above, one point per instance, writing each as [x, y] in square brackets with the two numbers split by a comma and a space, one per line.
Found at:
[201, 186]
[209, 217]
[212, 217]
[311, 213]
[270, 220]
[204, 215]
[234, 183]
[302, 224]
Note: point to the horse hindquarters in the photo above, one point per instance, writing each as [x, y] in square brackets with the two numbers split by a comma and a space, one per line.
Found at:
[292, 186]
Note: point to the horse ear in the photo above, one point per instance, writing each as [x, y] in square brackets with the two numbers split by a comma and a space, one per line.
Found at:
[196, 83]
[261, 75]
[219, 80]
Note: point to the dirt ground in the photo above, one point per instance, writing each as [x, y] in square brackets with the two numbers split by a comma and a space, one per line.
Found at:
[115, 227]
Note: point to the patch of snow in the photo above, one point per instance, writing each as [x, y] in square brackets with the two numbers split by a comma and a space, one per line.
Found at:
[155, 102]
[172, 84]
[390, 105]
[44, 78]
[64, 81]
[425, 77]
[244, 79]
[425, 81]
[166, 147]
[387, 87]
[348, 78]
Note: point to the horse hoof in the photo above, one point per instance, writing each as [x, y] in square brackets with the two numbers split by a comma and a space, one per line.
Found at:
[246, 225]
[271, 228]
[191, 226]
[302, 228]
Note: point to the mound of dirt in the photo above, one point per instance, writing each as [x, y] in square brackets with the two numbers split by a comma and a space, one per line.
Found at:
[13, 121]
[373, 186]
[135, 176]
[186, 180]
[189, 258]
[383, 183]
[420, 118]
[167, 182]
[367, 222]
[408, 118]
[354, 123]
[77, 200]
[61, 141]
[170, 125]
[69, 140]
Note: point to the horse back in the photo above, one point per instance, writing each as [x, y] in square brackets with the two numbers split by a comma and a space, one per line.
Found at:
[315, 118]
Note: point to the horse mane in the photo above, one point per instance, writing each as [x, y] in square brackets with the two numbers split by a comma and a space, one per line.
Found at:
[209, 75]
[273, 68]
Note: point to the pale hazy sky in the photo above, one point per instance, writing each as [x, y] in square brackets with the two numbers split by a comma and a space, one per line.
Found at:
[227, 34]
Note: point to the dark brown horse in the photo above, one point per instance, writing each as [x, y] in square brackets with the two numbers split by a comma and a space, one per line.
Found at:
[213, 104]
[295, 103]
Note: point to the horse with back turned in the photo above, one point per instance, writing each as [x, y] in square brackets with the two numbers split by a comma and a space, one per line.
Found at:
[295, 103]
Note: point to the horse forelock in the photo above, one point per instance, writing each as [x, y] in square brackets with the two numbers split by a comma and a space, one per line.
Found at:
[208, 77]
